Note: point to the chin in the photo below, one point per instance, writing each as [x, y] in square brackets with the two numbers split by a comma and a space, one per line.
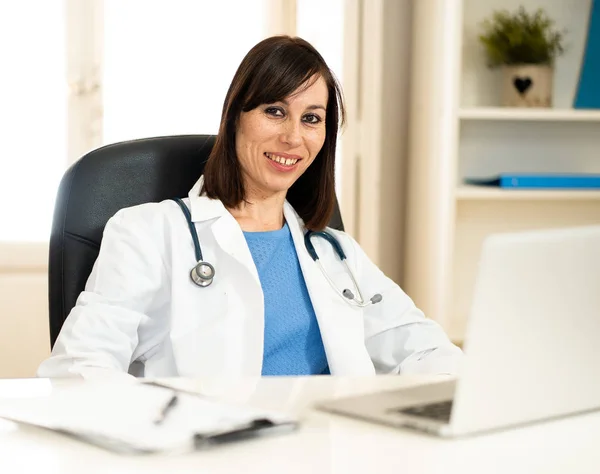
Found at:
[281, 186]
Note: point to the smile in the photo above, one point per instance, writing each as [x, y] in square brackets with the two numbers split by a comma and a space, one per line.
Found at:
[281, 159]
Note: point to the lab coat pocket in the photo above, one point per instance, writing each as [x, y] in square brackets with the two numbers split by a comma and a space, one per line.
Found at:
[200, 330]
[196, 307]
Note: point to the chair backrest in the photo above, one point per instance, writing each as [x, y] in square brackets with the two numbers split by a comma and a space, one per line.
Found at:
[99, 184]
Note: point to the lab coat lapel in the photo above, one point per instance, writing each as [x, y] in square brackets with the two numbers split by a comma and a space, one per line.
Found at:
[227, 232]
[342, 327]
[237, 260]
[249, 334]
[230, 238]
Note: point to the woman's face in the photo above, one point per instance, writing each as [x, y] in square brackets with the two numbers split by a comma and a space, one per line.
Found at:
[276, 143]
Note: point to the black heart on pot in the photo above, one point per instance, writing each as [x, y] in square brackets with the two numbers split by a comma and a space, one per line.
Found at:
[522, 84]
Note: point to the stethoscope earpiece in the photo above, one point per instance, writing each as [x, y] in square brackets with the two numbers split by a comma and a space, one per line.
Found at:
[346, 294]
[202, 274]
[376, 298]
[349, 295]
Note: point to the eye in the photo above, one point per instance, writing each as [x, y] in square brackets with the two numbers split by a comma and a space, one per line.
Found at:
[274, 111]
[312, 119]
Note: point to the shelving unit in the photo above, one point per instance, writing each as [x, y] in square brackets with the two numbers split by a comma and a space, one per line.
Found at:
[482, 193]
[516, 114]
[459, 129]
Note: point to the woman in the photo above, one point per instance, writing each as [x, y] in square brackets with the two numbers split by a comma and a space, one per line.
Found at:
[269, 309]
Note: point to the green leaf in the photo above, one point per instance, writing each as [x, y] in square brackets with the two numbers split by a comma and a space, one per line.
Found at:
[521, 38]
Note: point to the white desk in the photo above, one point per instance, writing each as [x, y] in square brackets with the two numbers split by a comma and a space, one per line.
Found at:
[324, 443]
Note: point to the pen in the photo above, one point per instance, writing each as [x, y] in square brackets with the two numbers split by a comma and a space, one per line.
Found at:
[166, 409]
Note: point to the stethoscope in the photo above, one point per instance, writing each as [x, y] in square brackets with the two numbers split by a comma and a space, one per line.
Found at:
[203, 273]
[346, 294]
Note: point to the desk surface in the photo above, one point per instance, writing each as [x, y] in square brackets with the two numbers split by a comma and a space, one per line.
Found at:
[324, 443]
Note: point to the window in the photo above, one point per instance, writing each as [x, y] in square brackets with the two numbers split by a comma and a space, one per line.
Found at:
[147, 68]
[167, 65]
[33, 116]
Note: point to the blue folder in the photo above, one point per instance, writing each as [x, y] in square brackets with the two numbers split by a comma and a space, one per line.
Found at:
[587, 95]
[537, 181]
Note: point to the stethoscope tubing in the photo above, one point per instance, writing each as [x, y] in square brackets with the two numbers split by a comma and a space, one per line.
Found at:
[202, 273]
[188, 218]
[355, 300]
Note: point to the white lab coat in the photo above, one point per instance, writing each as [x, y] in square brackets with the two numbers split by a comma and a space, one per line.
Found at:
[141, 314]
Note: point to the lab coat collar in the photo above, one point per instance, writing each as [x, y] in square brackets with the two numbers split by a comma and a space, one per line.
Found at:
[203, 208]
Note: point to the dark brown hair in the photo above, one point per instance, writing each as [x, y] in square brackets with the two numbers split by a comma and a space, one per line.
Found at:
[271, 71]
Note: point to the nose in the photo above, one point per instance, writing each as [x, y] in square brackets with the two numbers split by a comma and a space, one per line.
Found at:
[291, 133]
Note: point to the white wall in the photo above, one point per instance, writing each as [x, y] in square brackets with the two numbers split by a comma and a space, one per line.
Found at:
[377, 75]
[33, 120]
[24, 339]
[24, 328]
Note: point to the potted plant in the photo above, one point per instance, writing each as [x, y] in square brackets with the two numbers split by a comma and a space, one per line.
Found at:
[525, 47]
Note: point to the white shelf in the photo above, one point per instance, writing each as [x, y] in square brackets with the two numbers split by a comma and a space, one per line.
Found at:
[483, 193]
[442, 254]
[533, 114]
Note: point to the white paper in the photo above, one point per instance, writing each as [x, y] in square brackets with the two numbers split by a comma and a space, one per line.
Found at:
[121, 417]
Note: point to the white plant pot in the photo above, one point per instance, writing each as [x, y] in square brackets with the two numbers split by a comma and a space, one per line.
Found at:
[527, 85]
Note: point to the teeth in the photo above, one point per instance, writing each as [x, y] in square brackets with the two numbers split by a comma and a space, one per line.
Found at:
[281, 160]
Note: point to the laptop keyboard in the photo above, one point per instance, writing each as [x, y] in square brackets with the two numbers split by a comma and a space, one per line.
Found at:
[437, 411]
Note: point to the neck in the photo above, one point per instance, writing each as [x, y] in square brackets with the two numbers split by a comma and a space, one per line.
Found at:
[260, 214]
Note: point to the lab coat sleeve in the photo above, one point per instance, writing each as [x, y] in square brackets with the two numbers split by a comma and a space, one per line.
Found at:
[126, 286]
[399, 337]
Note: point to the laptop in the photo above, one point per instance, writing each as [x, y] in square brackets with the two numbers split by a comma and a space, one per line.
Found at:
[532, 345]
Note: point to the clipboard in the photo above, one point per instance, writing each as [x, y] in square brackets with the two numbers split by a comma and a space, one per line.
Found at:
[121, 417]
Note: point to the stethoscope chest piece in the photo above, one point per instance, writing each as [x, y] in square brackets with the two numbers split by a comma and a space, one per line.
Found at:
[202, 274]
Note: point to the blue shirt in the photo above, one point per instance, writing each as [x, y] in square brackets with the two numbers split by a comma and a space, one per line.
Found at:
[292, 342]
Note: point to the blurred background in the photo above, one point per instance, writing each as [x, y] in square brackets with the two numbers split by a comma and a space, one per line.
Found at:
[425, 112]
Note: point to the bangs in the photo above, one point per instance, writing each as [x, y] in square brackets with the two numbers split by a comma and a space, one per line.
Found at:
[282, 72]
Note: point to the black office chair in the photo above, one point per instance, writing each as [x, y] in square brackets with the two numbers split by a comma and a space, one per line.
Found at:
[99, 184]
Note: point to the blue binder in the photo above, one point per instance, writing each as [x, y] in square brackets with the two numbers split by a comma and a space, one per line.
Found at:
[539, 181]
[588, 92]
